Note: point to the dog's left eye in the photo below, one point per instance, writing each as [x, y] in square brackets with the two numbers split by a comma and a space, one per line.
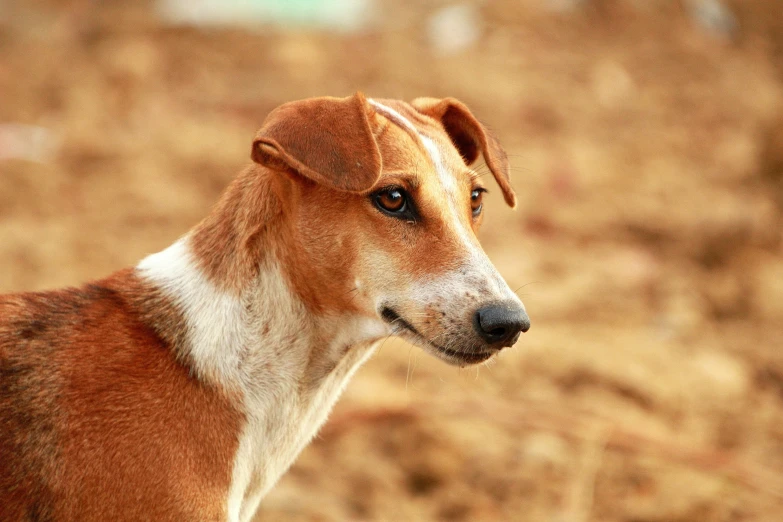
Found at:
[475, 201]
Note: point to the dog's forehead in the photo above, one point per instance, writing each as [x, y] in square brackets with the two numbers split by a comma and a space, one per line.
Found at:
[413, 143]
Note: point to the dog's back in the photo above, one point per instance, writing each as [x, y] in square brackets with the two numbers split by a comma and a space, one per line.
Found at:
[90, 400]
[28, 389]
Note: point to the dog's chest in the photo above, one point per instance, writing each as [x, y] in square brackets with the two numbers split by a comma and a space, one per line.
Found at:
[281, 420]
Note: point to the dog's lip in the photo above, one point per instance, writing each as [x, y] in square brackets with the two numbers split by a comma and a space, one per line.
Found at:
[391, 316]
[464, 357]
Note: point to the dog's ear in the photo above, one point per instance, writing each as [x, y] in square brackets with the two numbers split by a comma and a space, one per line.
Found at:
[470, 138]
[327, 140]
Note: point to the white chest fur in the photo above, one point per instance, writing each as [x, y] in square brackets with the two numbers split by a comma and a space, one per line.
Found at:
[288, 367]
[276, 432]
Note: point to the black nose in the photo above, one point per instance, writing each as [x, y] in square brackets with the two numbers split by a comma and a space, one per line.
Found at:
[501, 323]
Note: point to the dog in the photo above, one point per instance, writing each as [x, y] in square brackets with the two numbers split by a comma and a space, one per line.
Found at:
[183, 388]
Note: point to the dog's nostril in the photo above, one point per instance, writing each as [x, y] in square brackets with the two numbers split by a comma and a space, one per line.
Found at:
[500, 324]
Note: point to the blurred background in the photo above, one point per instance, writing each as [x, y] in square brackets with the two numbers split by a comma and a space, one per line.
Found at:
[646, 139]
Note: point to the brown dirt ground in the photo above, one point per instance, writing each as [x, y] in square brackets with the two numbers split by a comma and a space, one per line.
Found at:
[648, 157]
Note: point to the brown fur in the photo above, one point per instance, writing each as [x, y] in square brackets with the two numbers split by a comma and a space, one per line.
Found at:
[98, 421]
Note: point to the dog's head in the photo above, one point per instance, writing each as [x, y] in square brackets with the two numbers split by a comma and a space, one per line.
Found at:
[382, 212]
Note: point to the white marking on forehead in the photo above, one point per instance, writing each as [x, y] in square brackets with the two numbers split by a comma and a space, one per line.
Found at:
[394, 116]
[449, 184]
[447, 179]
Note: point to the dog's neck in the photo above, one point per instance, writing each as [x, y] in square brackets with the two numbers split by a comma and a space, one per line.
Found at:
[248, 333]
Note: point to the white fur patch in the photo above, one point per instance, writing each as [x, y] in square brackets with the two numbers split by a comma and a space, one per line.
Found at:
[283, 415]
[447, 179]
[215, 320]
[394, 116]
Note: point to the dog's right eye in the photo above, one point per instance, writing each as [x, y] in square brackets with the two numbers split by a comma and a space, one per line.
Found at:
[394, 202]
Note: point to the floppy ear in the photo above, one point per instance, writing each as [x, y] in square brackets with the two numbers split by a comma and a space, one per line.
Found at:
[326, 140]
[470, 138]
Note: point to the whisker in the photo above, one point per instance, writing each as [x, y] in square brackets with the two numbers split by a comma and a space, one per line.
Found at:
[408, 370]
[353, 293]
[523, 286]
[415, 363]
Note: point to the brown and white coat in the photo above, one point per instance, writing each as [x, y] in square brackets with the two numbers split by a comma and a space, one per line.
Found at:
[183, 388]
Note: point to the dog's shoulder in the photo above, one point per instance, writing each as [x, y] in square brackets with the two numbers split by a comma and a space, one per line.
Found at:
[88, 386]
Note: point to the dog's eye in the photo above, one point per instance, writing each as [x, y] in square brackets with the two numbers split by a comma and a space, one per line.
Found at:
[395, 202]
[391, 200]
[475, 201]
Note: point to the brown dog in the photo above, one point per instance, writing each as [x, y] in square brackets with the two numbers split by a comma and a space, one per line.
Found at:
[183, 388]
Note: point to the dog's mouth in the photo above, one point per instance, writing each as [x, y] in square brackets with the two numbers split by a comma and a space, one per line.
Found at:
[400, 325]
